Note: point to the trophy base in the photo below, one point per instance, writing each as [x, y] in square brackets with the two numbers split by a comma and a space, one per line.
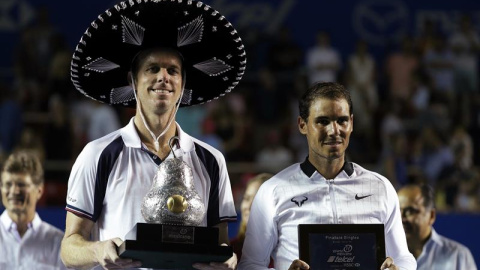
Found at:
[172, 255]
[173, 246]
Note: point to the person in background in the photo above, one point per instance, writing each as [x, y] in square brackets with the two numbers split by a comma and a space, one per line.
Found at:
[252, 187]
[26, 242]
[431, 250]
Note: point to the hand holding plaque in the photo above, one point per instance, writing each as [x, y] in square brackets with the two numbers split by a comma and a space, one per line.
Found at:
[173, 210]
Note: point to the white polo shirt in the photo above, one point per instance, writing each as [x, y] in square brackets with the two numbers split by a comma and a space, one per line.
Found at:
[300, 195]
[441, 253]
[112, 175]
[39, 248]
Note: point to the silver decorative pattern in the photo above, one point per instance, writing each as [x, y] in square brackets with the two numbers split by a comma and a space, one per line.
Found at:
[191, 32]
[101, 65]
[213, 67]
[173, 179]
[132, 32]
[187, 96]
[121, 94]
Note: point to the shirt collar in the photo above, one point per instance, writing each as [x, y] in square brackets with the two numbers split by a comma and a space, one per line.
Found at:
[9, 225]
[131, 138]
[308, 168]
[435, 237]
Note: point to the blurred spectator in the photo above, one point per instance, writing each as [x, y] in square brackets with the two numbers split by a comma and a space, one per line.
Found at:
[465, 44]
[31, 141]
[438, 62]
[26, 242]
[436, 154]
[11, 122]
[230, 127]
[103, 120]
[431, 250]
[208, 135]
[363, 89]
[273, 156]
[250, 191]
[393, 160]
[400, 67]
[284, 56]
[323, 61]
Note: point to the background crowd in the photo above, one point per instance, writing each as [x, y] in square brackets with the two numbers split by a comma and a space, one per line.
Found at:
[416, 110]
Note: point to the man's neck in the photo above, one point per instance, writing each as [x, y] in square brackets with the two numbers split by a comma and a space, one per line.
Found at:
[157, 126]
[416, 247]
[21, 220]
[328, 168]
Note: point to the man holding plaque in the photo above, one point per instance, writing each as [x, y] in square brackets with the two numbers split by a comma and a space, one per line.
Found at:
[432, 251]
[138, 54]
[324, 189]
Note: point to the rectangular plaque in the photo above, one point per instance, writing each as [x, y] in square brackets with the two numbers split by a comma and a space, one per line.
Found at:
[173, 247]
[342, 246]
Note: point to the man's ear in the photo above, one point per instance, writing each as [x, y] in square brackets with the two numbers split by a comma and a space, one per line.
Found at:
[129, 78]
[40, 189]
[433, 216]
[302, 125]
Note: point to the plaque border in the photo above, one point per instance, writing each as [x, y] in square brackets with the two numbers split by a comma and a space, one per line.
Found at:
[304, 231]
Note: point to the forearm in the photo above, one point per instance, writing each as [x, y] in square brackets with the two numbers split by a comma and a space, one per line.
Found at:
[78, 253]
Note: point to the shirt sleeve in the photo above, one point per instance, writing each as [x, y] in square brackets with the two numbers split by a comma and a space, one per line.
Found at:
[261, 236]
[395, 240]
[81, 184]
[465, 260]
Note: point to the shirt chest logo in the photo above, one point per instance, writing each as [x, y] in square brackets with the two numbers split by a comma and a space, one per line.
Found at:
[361, 197]
[299, 200]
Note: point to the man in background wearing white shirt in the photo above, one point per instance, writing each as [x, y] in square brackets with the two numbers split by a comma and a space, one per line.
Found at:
[26, 242]
[431, 250]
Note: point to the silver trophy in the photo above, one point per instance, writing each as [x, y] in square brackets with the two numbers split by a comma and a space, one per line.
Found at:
[173, 199]
[173, 236]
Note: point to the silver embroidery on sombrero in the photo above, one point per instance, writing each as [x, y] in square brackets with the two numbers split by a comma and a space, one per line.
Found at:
[132, 32]
[121, 95]
[213, 67]
[100, 65]
[187, 96]
[191, 32]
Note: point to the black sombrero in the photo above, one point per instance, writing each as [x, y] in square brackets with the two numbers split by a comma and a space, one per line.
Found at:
[214, 55]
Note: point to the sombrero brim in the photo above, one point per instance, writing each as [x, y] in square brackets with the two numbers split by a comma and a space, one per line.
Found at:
[214, 55]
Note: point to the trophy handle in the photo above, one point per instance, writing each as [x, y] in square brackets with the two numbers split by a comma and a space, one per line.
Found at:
[170, 144]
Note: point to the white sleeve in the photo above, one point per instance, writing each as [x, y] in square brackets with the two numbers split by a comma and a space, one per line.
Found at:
[227, 205]
[81, 184]
[261, 236]
[395, 240]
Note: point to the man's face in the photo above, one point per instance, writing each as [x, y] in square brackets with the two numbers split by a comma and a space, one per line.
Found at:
[159, 82]
[19, 193]
[416, 219]
[328, 129]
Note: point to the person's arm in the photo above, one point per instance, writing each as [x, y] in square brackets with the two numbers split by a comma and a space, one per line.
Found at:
[80, 253]
[395, 240]
[262, 233]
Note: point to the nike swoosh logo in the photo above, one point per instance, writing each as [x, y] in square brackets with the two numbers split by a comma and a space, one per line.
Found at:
[361, 197]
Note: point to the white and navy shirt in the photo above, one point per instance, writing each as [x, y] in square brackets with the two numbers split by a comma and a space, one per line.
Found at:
[300, 195]
[112, 175]
[441, 253]
[39, 248]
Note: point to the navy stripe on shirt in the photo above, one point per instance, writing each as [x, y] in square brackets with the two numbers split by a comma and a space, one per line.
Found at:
[104, 167]
[211, 164]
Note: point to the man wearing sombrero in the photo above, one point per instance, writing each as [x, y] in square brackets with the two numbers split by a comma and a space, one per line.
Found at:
[157, 56]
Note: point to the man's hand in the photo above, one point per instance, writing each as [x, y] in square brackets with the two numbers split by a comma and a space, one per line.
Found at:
[299, 265]
[107, 255]
[228, 264]
[388, 264]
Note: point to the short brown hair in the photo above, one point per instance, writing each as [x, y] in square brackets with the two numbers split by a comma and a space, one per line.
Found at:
[328, 90]
[25, 162]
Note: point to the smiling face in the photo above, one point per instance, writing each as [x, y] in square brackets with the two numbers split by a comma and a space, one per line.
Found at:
[19, 194]
[158, 81]
[327, 128]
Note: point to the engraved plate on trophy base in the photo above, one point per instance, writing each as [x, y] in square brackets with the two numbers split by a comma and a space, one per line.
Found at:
[173, 246]
[342, 246]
